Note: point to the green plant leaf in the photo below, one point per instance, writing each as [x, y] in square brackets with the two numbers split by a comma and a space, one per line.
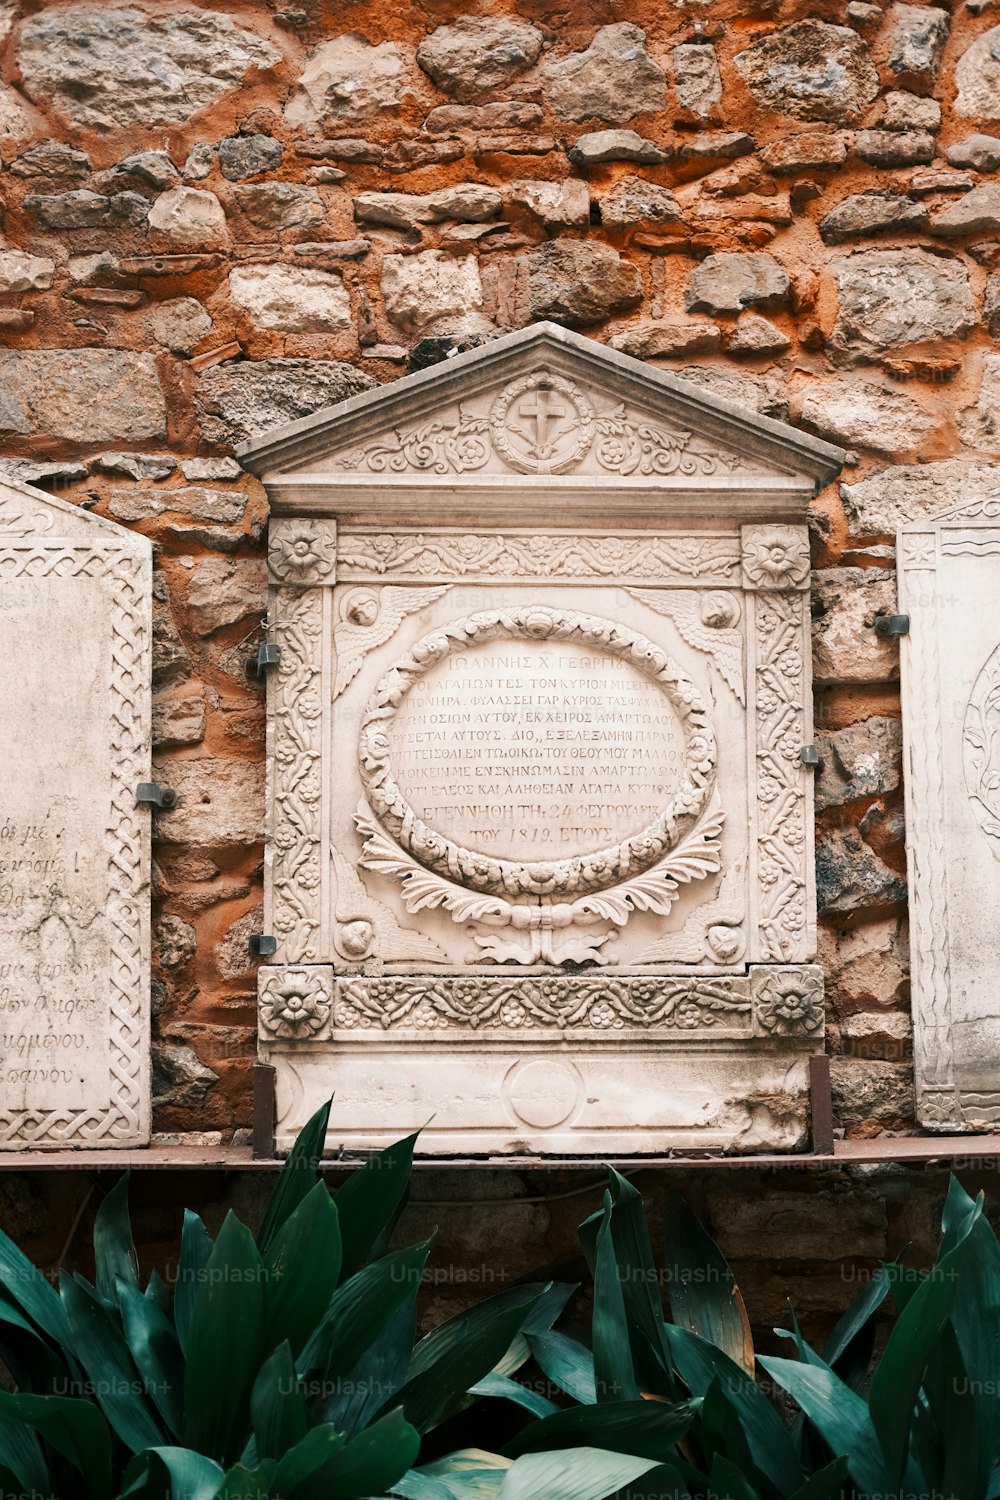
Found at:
[359, 1310]
[74, 1427]
[243, 1483]
[351, 1402]
[640, 1281]
[721, 1432]
[156, 1292]
[196, 1250]
[114, 1251]
[954, 1451]
[296, 1469]
[297, 1177]
[152, 1342]
[371, 1200]
[171, 1474]
[371, 1462]
[975, 1316]
[469, 1474]
[277, 1407]
[568, 1364]
[105, 1356]
[503, 1388]
[726, 1482]
[857, 1317]
[648, 1429]
[225, 1345]
[303, 1258]
[614, 1373]
[914, 1336]
[699, 1363]
[460, 1351]
[839, 1415]
[575, 1474]
[703, 1293]
[28, 1289]
[829, 1483]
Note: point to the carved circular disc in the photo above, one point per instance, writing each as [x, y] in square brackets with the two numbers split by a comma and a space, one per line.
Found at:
[573, 875]
[542, 424]
[543, 1092]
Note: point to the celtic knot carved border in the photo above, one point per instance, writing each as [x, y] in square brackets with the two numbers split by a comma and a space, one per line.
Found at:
[126, 843]
[782, 841]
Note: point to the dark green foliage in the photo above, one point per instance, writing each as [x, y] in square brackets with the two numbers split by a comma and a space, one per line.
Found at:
[285, 1367]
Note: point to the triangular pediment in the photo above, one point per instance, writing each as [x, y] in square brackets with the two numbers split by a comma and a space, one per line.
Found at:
[543, 403]
[30, 514]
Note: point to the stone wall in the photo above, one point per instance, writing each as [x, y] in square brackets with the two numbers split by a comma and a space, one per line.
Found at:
[219, 217]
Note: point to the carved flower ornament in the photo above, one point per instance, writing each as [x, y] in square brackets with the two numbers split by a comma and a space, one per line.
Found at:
[301, 551]
[296, 1003]
[776, 557]
[790, 1004]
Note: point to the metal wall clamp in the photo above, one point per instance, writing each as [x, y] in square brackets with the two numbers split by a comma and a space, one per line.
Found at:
[154, 795]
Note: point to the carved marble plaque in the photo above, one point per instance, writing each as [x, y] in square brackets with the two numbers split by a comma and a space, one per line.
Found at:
[949, 581]
[540, 854]
[75, 597]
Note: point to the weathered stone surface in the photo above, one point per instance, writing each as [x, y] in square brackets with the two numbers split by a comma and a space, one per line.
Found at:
[20, 272]
[475, 54]
[199, 162]
[234, 958]
[180, 1080]
[178, 721]
[179, 324]
[105, 66]
[291, 299]
[918, 36]
[74, 856]
[580, 282]
[600, 146]
[668, 339]
[51, 159]
[138, 465]
[977, 212]
[504, 114]
[979, 425]
[861, 760]
[876, 505]
[846, 602]
[279, 205]
[697, 81]
[894, 297]
[979, 151]
[189, 218]
[813, 1226]
[83, 209]
[766, 394]
[615, 79]
[433, 293]
[754, 335]
[812, 71]
[731, 281]
[861, 414]
[139, 504]
[469, 202]
[812, 150]
[991, 304]
[242, 156]
[897, 110]
[18, 121]
[152, 167]
[871, 213]
[171, 662]
[977, 75]
[556, 205]
[84, 395]
[236, 401]
[633, 200]
[866, 967]
[348, 79]
[174, 942]
[850, 877]
[895, 148]
[223, 590]
[872, 1094]
[219, 802]
[200, 470]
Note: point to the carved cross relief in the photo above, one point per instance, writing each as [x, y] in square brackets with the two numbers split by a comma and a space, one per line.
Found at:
[536, 789]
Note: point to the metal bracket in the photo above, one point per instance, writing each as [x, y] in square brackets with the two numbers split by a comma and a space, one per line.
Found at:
[892, 625]
[809, 756]
[263, 944]
[151, 793]
[269, 655]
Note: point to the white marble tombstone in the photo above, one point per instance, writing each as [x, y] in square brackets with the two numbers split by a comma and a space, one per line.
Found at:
[949, 585]
[75, 599]
[539, 854]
